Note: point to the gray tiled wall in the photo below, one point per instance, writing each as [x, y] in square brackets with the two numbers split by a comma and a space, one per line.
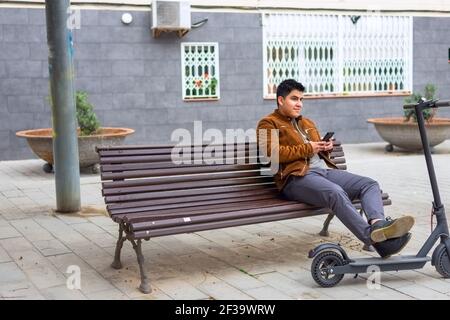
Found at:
[134, 80]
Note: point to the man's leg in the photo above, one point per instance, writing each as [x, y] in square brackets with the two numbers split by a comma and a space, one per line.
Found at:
[368, 191]
[315, 189]
[359, 187]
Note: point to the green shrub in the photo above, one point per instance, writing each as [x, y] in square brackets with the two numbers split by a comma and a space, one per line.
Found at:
[428, 114]
[87, 120]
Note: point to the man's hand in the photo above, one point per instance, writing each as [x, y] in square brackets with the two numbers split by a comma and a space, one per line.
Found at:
[319, 146]
[328, 146]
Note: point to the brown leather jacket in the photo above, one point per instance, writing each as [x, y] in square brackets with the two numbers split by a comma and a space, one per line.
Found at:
[294, 153]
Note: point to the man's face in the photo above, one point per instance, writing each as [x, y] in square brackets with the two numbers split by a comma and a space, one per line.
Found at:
[292, 105]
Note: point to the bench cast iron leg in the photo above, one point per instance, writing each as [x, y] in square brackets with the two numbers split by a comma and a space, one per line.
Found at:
[145, 284]
[324, 232]
[116, 264]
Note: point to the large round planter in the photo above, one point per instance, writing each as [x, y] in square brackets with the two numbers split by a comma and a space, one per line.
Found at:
[41, 142]
[405, 135]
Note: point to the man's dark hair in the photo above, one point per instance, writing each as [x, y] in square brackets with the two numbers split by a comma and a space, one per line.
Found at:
[286, 87]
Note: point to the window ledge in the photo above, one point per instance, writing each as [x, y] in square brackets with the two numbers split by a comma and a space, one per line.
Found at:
[200, 99]
[352, 95]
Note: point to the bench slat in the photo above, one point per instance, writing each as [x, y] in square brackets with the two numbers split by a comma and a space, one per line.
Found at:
[104, 150]
[165, 154]
[177, 171]
[220, 151]
[101, 149]
[200, 210]
[337, 161]
[228, 223]
[148, 166]
[219, 216]
[198, 159]
[177, 193]
[185, 158]
[180, 212]
[188, 183]
[193, 154]
[225, 149]
[168, 158]
[134, 213]
[135, 206]
[171, 179]
[122, 165]
[188, 162]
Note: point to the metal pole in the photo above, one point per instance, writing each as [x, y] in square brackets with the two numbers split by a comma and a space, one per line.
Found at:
[65, 138]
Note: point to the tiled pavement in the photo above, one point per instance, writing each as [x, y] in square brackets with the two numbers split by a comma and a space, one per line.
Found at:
[264, 261]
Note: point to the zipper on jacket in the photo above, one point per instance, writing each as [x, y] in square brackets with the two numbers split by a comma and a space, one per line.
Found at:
[304, 167]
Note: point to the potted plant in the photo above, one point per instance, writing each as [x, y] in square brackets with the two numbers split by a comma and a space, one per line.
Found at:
[90, 135]
[86, 117]
[403, 132]
[428, 114]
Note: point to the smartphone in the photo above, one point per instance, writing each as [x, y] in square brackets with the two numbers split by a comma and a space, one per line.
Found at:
[328, 136]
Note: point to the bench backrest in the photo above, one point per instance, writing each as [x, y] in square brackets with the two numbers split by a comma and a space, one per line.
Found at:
[138, 180]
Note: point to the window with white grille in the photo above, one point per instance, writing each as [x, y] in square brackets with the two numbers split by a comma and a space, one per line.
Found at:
[338, 54]
[200, 70]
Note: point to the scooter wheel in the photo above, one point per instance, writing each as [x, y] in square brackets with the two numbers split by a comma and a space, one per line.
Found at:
[320, 269]
[442, 262]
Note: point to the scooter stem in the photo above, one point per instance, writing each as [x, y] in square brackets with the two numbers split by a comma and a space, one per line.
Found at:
[427, 153]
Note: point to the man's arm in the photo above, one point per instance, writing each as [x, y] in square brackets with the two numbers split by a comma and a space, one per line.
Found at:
[319, 146]
[286, 153]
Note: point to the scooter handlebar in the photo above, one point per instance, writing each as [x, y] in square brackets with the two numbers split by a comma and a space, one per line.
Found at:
[409, 106]
[437, 104]
[443, 103]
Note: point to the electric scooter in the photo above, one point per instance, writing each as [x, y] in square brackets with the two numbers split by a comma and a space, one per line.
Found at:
[331, 262]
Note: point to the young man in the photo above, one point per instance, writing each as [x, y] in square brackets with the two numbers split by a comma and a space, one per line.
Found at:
[307, 174]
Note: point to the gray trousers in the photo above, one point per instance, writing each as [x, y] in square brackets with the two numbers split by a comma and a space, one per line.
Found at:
[335, 189]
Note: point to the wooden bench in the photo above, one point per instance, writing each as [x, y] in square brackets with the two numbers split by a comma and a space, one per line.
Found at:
[149, 195]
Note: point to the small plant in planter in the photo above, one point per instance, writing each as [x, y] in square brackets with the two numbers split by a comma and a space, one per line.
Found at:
[86, 117]
[428, 114]
[403, 132]
[90, 135]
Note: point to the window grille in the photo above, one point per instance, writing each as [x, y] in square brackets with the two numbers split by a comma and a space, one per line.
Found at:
[200, 70]
[338, 54]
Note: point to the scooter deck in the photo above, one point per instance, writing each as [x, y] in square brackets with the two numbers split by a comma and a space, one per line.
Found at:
[365, 265]
[391, 260]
